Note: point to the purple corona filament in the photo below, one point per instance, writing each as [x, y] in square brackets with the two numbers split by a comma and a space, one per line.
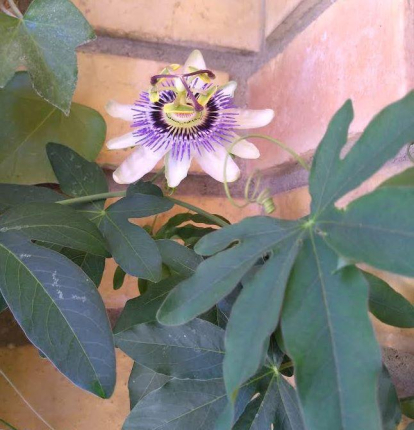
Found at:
[184, 133]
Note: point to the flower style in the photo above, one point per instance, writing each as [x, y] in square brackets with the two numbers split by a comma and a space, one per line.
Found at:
[183, 117]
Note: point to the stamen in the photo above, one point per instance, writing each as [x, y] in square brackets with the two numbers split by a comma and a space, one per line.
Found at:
[197, 106]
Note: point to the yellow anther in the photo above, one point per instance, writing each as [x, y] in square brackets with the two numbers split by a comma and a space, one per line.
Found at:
[154, 95]
[203, 99]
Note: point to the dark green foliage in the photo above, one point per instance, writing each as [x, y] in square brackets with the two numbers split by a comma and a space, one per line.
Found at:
[44, 41]
[324, 320]
[28, 123]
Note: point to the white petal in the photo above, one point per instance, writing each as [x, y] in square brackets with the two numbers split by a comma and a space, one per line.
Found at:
[122, 142]
[176, 170]
[229, 88]
[195, 60]
[118, 110]
[243, 149]
[138, 164]
[249, 118]
[213, 164]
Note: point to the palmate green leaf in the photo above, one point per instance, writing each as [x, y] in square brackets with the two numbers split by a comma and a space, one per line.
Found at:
[60, 310]
[142, 382]
[78, 177]
[178, 258]
[191, 351]
[388, 401]
[28, 123]
[377, 229]
[330, 339]
[255, 316]
[217, 276]
[188, 404]
[131, 246]
[276, 405]
[332, 177]
[16, 195]
[143, 309]
[55, 224]
[92, 265]
[387, 305]
[44, 41]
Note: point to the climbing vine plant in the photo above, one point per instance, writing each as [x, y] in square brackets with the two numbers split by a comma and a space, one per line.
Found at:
[227, 314]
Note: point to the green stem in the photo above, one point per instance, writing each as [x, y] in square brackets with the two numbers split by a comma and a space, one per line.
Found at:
[200, 211]
[102, 196]
[157, 175]
[92, 198]
[8, 425]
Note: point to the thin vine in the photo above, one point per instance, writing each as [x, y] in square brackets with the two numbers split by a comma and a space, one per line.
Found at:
[255, 195]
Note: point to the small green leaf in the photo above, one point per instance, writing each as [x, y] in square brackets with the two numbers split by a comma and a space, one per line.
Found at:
[78, 177]
[119, 277]
[276, 407]
[388, 401]
[217, 276]
[131, 246]
[387, 305]
[16, 195]
[191, 351]
[143, 309]
[44, 41]
[330, 339]
[332, 177]
[92, 265]
[179, 404]
[377, 229]
[60, 311]
[255, 316]
[178, 258]
[28, 123]
[410, 427]
[407, 406]
[404, 179]
[142, 382]
[55, 224]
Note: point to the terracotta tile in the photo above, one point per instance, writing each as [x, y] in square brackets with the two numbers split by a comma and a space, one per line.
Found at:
[59, 402]
[230, 24]
[353, 50]
[277, 11]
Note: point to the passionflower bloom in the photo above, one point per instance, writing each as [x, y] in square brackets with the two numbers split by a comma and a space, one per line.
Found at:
[184, 117]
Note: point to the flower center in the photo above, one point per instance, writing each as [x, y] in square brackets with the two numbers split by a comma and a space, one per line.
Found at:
[184, 119]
